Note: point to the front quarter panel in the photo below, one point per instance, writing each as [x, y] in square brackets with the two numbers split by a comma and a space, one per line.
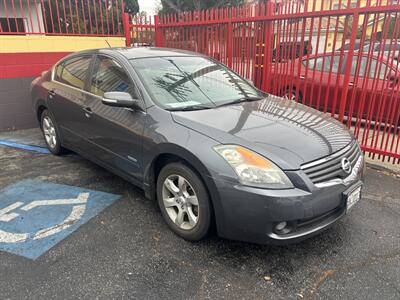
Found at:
[163, 136]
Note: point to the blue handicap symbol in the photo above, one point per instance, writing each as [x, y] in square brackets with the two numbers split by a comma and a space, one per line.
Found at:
[37, 215]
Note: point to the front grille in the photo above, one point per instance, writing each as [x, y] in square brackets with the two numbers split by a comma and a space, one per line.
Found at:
[330, 168]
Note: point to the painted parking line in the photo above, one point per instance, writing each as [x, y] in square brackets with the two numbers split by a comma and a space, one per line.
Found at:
[36, 215]
[24, 147]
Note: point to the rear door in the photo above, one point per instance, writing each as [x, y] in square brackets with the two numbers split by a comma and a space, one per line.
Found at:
[66, 98]
[320, 81]
[371, 93]
[114, 132]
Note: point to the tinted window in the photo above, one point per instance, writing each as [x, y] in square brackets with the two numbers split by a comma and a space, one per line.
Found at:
[323, 65]
[57, 72]
[109, 76]
[74, 71]
[374, 68]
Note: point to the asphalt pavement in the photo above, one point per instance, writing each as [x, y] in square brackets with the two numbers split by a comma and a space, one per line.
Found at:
[127, 251]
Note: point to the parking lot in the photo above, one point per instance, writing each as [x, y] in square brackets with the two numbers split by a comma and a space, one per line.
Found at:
[125, 250]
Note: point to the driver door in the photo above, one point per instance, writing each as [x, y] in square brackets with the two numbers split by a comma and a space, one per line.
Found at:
[115, 133]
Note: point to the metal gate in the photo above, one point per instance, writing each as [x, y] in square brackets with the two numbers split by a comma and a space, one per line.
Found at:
[338, 56]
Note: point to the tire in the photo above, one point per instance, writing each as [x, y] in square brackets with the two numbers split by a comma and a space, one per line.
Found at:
[291, 95]
[180, 212]
[50, 133]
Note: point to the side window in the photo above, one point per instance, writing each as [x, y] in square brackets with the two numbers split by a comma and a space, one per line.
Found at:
[58, 71]
[314, 63]
[320, 64]
[374, 67]
[109, 76]
[74, 71]
[378, 69]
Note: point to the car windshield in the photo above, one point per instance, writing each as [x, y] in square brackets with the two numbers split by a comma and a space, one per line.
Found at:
[188, 83]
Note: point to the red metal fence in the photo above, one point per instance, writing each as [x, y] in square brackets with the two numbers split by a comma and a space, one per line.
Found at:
[339, 56]
[61, 17]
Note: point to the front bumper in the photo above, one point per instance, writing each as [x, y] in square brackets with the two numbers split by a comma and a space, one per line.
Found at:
[251, 214]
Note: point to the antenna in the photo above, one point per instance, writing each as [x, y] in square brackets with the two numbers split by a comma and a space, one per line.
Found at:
[108, 44]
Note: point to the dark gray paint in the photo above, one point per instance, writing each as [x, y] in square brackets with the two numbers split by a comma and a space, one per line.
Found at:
[289, 134]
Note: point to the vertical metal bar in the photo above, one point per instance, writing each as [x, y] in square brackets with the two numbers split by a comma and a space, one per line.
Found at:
[112, 17]
[346, 78]
[51, 16]
[101, 17]
[90, 16]
[95, 17]
[71, 17]
[46, 30]
[107, 19]
[22, 15]
[77, 16]
[230, 41]
[30, 16]
[15, 15]
[127, 29]
[58, 17]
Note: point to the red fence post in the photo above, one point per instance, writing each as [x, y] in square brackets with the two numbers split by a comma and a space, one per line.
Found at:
[229, 42]
[268, 46]
[127, 29]
[159, 42]
[346, 79]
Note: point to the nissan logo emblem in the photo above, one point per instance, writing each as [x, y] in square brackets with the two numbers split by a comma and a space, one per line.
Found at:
[346, 165]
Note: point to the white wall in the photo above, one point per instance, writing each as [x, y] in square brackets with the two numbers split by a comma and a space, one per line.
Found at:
[33, 21]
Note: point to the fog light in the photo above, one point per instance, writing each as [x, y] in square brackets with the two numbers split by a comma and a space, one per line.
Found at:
[280, 226]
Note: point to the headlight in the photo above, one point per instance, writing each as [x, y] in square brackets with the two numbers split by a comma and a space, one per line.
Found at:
[253, 169]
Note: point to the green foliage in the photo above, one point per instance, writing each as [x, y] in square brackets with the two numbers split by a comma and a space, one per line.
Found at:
[174, 6]
[131, 6]
[76, 17]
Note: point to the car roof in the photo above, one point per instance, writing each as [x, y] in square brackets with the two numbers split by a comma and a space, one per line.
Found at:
[142, 52]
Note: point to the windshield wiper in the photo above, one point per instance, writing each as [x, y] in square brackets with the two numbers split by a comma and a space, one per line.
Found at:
[189, 108]
[240, 100]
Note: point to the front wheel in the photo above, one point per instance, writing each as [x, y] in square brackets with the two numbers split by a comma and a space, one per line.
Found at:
[184, 201]
[290, 94]
[50, 133]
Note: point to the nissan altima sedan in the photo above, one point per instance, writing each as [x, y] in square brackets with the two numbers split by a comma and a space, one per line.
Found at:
[213, 150]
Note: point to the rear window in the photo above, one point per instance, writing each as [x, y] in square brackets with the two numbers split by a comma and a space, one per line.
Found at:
[73, 71]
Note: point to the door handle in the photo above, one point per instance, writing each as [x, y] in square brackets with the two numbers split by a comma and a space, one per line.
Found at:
[302, 77]
[351, 83]
[52, 93]
[88, 112]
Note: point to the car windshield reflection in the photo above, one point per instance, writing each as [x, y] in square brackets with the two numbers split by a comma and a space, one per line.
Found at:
[185, 83]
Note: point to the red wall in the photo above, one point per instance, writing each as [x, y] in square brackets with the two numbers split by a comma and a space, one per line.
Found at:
[14, 65]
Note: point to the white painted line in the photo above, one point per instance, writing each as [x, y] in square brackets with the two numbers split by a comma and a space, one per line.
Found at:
[7, 237]
[5, 216]
[76, 214]
[82, 199]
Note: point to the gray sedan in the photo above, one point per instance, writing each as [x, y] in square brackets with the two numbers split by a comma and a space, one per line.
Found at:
[213, 150]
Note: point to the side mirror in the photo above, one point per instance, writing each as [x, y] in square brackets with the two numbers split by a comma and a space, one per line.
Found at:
[120, 99]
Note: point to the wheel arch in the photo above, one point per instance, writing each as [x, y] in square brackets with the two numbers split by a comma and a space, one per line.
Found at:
[179, 154]
[40, 107]
[172, 153]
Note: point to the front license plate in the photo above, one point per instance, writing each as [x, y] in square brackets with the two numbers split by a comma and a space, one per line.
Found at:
[353, 198]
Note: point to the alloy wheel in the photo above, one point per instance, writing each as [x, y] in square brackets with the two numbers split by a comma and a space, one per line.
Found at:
[49, 132]
[180, 201]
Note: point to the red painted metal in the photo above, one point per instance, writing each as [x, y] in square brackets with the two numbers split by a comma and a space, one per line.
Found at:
[324, 54]
[62, 17]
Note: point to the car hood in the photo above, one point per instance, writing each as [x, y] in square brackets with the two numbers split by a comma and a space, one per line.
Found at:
[288, 133]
